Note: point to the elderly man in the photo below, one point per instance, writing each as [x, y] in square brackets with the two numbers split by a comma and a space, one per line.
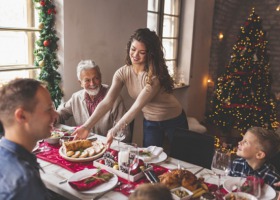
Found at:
[82, 103]
[27, 115]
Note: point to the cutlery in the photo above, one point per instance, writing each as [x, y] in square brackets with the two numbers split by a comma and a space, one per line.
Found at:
[101, 194]
[92, 138]
[63, 181]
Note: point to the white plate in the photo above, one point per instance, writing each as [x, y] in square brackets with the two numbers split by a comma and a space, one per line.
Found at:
[98, 189]
[62, 153]
[240, 195]
[160, 158]
[267, 191]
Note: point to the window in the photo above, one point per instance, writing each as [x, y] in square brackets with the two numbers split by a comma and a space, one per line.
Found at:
[164, 18]
[17, 39]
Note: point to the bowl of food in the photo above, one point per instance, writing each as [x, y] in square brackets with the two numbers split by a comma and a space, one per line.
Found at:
[55, 137]
[239, 196]
[181, 193]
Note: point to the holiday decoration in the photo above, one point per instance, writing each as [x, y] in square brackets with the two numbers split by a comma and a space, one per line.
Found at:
[242, 96]
[46, 47]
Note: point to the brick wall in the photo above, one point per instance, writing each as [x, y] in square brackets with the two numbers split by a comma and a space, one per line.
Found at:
[229, 16]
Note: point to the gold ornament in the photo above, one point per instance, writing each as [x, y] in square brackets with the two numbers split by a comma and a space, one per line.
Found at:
[42, 63]
[41, 25]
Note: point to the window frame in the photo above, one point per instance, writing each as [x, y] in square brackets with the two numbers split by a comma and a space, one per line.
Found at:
[29, 30]
[160, 25]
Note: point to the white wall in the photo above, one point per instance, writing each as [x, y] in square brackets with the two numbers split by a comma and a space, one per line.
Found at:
[193, 98]
[100, 29]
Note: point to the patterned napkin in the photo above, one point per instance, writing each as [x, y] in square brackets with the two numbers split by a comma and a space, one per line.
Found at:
[94, 180]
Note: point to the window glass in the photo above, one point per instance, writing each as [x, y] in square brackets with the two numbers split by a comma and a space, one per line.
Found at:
[13, 48]
[17, 40]
[171, 7]
[13, 13]
[170, 26]
[153, 5]
[6, 76]
[152, 21]
[170, 47]
[171, 65]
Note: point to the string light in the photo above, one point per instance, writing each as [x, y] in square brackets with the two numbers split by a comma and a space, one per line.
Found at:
[221, 36]
[278, 8]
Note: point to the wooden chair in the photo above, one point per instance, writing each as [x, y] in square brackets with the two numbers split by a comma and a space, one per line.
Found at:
[192, 147]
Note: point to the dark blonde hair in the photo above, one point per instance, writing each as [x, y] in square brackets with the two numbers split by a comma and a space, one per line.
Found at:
[155, 54]
[18, 93]
[148, 191]
[268, 140]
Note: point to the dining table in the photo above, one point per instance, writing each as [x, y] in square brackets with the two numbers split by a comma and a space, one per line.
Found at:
[55, 175]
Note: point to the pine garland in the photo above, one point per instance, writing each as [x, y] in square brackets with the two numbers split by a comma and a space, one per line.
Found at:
[45, 53]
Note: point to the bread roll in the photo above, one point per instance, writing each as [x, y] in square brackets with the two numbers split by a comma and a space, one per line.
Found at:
[77, 145]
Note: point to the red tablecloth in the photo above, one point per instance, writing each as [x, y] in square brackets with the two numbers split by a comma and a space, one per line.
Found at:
[53, 156]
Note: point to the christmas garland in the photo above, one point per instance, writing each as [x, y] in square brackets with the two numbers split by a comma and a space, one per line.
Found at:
[46, 47]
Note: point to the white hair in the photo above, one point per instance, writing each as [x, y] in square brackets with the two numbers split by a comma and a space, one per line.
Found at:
[87, 64]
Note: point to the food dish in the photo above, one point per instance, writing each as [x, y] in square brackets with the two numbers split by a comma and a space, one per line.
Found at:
[243, 195]
[62, 153]
[160, 158]
[54, 139]
[98, 189]
[267, 191]
[121, 174]
[186, 194]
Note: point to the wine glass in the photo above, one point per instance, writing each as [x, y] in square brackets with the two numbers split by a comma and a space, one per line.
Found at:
[221, 164]
[251, 185]
[44, 147]
[131, 163]
[120, 133]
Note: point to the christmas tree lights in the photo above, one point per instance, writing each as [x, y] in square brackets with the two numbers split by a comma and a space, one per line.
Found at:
[46, 47]
[242, 96]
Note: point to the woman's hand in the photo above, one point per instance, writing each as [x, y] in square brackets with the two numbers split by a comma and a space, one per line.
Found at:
[80, 133]
[109, 138]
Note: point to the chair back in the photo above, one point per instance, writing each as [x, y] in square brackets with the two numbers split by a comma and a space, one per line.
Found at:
[276, 161]
[192, 147]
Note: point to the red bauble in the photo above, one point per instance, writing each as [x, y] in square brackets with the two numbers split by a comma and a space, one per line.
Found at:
[49, 11]
[46, 43]
[42, 3]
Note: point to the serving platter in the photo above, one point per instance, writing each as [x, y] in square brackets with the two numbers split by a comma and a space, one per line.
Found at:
[62, 153]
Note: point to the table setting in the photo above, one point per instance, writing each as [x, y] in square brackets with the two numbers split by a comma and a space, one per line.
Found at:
[152, 165]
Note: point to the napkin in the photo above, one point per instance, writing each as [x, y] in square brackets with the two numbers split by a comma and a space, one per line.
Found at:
[149, 153]
[94, 180]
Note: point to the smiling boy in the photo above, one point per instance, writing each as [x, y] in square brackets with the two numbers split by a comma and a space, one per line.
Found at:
[256, 148]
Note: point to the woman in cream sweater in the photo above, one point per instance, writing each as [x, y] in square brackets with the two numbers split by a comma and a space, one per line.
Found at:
[146, 78]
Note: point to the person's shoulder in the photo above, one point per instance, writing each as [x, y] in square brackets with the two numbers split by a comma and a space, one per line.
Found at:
[124, 69]
[239, 160]
[78, 94]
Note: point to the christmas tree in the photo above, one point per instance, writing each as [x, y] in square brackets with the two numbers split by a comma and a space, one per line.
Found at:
[45, 53]
[242, 96]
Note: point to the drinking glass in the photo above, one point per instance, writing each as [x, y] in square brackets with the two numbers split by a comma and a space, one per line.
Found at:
[221, 164]
[44, 147]
[131, 163]
[251, 185]
[120, 133]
